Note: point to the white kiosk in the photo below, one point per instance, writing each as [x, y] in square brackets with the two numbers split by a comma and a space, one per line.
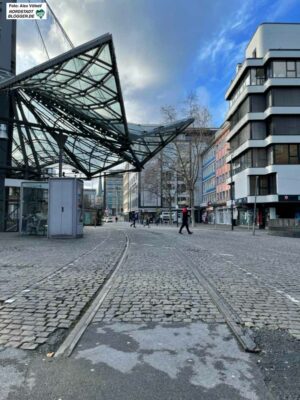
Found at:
[65, 216]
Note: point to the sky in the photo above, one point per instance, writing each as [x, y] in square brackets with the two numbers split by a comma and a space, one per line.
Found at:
[165, 49]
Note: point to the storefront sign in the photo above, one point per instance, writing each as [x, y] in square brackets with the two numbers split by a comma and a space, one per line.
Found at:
[289, 197]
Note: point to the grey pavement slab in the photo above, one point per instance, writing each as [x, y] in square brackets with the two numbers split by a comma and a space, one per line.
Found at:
[125, 361]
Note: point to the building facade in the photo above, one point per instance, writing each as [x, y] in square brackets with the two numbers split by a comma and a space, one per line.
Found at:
[130, 192]
[113, 194]
[264, 117]
[209, 184]
[223, 212]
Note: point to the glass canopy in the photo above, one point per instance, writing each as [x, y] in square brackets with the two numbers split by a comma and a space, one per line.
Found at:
[74, 102]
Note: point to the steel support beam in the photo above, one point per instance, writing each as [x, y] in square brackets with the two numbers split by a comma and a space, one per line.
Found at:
[7, 67]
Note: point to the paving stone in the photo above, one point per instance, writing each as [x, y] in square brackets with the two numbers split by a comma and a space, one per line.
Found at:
[29, 346]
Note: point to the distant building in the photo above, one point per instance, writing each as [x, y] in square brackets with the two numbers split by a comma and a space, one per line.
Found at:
[223, 212]
[159, 185]
[113, 194]
[264, 117]
[89, 198]
[130, 192]
[209, 183]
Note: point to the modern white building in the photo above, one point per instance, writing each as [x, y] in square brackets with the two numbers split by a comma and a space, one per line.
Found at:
[264, 116]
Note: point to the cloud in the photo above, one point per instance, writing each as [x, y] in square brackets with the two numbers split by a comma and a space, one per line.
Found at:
[164, 49]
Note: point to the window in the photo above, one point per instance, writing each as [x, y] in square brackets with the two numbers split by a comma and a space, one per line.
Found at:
[266, 184]
[286, 153]
[298, 68]
[279, 69]
[284, 125]
[285, 97]
[263, 185]
[270, 155]
[293, 154]
[284, 69]
[281, 154]
[242, 110]
[272, 184]
[258, 130]
[257, 76]
[259, 157]
[258, 103]
[291, 69]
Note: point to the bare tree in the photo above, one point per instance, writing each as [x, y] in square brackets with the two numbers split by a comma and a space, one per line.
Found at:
[158, 179]
[187, 151]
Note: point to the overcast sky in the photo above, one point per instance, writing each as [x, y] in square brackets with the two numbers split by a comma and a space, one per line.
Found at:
[165, 48]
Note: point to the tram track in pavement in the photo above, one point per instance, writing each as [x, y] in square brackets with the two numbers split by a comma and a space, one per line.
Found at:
[52, 274]
[231, 318]
[70, 342]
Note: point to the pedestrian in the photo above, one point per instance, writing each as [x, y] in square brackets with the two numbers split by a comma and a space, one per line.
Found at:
[116, 219]
[133, 221]
[147, 222]
[185, 220]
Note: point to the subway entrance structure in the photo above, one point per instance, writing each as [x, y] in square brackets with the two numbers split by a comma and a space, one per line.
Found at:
[72, 107]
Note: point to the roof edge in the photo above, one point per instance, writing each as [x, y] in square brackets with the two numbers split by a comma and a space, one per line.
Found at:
[106, 38]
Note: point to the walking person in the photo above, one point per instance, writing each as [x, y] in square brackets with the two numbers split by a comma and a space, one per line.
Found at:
[185, 220]
[147, 222]
[133, 221]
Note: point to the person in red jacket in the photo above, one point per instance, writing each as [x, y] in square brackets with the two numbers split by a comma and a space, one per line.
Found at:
[185, 220]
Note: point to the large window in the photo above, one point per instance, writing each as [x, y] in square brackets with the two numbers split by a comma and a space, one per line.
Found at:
[262, 185]
[242, 162]
[284, 97]
[257, 76]
[284, 125]
[242, 110]
[258, 103]
[254, 158]
[284, 69]
[259, 158]
[253, 77]
[286, 153]
[253, 130]
[279, 69]
[258, 130]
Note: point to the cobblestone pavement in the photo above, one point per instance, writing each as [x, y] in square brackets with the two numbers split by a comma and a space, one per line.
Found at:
[27, 259]
[156, 284]
[258, 276]
[45, 285]
[60, 281]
